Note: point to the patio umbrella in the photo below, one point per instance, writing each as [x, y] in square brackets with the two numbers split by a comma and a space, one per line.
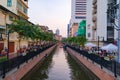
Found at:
[110, 48]
[90, 45]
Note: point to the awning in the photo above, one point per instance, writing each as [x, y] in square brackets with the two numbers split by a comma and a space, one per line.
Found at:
[2, 27]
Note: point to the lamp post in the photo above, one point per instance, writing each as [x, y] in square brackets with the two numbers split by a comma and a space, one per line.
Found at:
[7, 33]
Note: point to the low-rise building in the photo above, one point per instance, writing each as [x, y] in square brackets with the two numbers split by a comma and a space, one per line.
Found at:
[6, 18]
[44, 28]
[19, 7]
[73, 29]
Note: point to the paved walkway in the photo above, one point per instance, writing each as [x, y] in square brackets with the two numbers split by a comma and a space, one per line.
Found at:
[101, 74]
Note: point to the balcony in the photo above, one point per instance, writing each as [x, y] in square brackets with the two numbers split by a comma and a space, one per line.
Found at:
[95, 6]
[94, 19]
[94, 2]
[94, 27]
[94, 11]
[22, 14]
[24, 2]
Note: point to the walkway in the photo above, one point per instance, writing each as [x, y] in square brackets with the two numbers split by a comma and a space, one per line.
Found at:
[95, 69]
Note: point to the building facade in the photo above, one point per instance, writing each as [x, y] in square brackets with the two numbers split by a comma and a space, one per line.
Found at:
[6, 18]
[11, 10]
[73, 29]
[78, 12]
[99, 21]
[68, 30]
[89, 22]
[19, 7]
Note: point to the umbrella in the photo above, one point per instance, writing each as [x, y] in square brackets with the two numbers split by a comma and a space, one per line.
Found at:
[90, 45]
[110, 48]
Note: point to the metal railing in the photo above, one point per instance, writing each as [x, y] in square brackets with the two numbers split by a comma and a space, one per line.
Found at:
[15, 62]
[111, 65]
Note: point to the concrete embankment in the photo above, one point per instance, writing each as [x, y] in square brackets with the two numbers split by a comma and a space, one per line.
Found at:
[97, 71]
[23, 70]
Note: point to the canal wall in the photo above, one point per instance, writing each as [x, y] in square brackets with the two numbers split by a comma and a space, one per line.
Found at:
[19, 73]
[90, 67]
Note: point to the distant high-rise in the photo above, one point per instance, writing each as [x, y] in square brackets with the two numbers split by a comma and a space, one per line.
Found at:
[57, 31]
[68, 30]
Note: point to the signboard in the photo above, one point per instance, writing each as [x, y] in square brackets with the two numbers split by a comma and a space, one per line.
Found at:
[82, 28]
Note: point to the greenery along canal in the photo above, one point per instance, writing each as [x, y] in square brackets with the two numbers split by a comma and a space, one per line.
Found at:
[58, 66]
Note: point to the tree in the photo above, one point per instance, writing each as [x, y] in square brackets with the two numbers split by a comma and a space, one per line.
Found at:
[78, 40]
[25, 30]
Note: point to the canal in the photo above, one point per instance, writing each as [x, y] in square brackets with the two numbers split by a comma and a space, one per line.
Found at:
[58, 66]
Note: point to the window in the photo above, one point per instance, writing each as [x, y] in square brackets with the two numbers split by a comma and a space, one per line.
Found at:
[25, 10]
[78, 17]
[9, 3]
[89, 35]
[110, 34]
[10, 18]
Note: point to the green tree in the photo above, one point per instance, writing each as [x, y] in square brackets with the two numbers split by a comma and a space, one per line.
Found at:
[25, 30]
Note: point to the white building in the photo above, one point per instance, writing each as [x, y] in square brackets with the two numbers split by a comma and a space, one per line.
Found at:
[98, 21]
[89, 22]
[78, 12]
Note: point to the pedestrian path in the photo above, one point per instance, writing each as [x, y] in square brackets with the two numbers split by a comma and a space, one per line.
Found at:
[94, 68]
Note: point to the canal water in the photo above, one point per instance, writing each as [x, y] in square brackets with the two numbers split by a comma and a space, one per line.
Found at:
[58, 66]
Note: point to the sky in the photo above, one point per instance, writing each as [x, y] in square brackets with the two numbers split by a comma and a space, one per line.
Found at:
[52, 13]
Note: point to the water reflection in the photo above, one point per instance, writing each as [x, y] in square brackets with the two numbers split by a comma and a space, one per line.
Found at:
[42, 72]
[76, 71]
[58, 67]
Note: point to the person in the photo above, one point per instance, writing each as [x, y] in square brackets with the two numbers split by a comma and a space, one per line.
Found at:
[20, 51]
[5, 50]
[110, 57]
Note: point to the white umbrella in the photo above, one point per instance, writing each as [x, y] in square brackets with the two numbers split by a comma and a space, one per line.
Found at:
[110, 48]
[90, 45]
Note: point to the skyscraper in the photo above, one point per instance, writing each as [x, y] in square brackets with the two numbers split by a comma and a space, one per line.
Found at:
[78, 12]
[57, 31]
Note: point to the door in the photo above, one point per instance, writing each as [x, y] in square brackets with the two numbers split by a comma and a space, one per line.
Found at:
[11, 47]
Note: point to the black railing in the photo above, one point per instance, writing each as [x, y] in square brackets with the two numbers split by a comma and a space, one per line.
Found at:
[111, 65]
[15, 62]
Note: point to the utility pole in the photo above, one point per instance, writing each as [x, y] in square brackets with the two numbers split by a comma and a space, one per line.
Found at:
[119, 33]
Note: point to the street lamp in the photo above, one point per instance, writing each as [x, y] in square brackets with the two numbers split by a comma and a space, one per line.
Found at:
[7, 33]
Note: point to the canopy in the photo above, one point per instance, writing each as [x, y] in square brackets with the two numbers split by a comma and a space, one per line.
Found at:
[90, 45]
[109, 48]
